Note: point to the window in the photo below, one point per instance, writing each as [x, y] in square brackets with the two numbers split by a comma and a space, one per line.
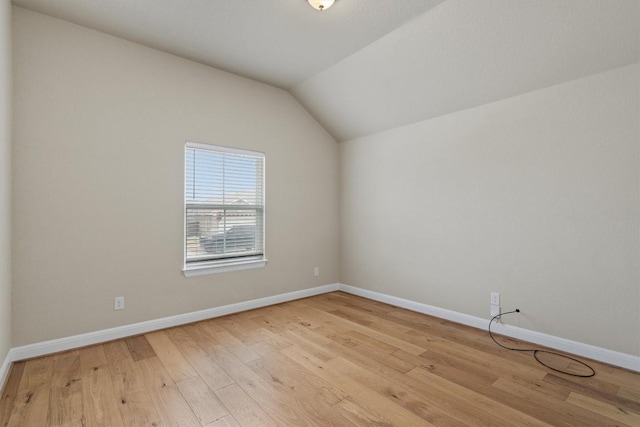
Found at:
[224, 209]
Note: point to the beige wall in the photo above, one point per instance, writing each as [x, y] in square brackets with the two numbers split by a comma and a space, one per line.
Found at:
[5, 179]
[536, 197]
[100, 126]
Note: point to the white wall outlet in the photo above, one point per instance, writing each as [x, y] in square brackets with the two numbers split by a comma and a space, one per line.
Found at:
[316, 271]
[495, 298]
[495, 311]
[118, 303]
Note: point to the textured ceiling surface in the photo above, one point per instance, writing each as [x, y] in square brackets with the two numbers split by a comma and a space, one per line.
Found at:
[365, 66]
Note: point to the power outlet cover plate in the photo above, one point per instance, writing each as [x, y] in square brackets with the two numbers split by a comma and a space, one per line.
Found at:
[495, 298]
[495, 310]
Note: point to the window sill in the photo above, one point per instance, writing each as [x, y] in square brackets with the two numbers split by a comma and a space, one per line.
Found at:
[222, 267]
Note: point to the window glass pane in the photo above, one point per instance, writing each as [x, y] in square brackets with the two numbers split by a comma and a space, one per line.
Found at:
[218, 233]
[223, 178]
[224, 205]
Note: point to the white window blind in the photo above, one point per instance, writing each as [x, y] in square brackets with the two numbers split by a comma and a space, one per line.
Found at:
[224, 206]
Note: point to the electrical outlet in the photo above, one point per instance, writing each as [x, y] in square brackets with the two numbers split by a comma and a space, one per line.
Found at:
[316, 271]
[118, 303]
[494, 310]
[495, 298]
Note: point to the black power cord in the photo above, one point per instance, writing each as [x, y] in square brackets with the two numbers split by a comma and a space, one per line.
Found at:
[538, 351]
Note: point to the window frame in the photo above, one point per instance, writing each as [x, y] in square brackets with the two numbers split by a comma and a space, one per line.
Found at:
[230, 263]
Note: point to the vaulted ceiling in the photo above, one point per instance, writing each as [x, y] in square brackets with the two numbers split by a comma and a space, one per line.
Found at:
[365, 66]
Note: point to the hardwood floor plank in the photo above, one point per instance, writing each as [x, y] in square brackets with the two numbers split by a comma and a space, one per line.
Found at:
[274, 403]
[66, 389]
[227, 421]
[65, 405]
[243, 408]
[202, 400]
[363, 396]
[100, 405]
[170, 403]
[118, 357]
[332, 360]
[382, 356]
[294, 315]
[213, 326]
[622, 377]
[75, 423]
[235, 346]
[359, 415]
[447, 411]
[239, 325]
[449, 368]
[91, 357]
[487, 362]
[266, 336]
[279, 367]
[391, 340]
[539, 389]
[311, 342]
[604, 409]
[434, 396]
[266, 322]
[596, 389]
[555, 410]
[619, 377]
[10, 392]
[523, 401]
[370, 321]
[629, 394]
[31, 406]
[171, 358]
[304, 387]
[212, 374]
[139, 348]
[136, 405]
[365, 340]
[482, 402]
[336, 300]
[201, 336]
[37, 372]
[66, 368]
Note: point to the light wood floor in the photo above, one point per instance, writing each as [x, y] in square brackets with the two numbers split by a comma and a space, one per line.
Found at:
[333, 359]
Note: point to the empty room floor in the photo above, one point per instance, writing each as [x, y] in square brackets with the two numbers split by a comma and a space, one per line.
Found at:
[333, 359]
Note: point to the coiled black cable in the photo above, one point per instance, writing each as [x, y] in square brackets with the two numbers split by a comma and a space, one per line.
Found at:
[538, 351]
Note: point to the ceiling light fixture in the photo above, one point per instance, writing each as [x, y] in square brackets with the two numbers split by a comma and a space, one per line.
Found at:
[321, 4]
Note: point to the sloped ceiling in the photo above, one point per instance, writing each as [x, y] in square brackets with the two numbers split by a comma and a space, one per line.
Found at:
[365, 66]
[465, 53]
[279, 42]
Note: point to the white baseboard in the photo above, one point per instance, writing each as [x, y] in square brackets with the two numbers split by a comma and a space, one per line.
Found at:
[611, 357]
[47, 347]
[4, 369]
[82, 340]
